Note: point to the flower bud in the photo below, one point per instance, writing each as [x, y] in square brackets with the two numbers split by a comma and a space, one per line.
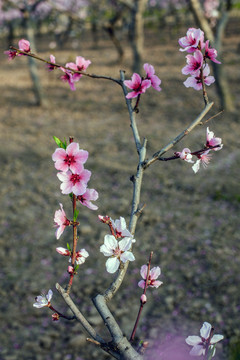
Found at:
[104, 219]
[70, 269]
[143, 299]
[63, 251]
[55, 317]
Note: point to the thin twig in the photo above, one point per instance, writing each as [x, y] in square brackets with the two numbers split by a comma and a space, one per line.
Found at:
[141, 302]
[94, 76]
[179, 137]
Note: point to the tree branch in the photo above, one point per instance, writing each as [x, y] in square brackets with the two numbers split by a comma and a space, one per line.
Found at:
[185, 132]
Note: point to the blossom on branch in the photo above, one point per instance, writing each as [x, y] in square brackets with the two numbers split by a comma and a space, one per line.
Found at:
[118, 252]
[192, 41]
[63, 251]
[206, 340]
[194, 62]
[150, 75]
[81, 256]
[74, 183]
[52, 60]
[23, 45]
[203, 159]
[153, 275]
[138, 85]
[195, 80]
[120, 228]
[42, 300]
[68, 77]
[211, 53]
[185, 154]
[61, 221]
[213, 141]
[86, 198]
[72, 158]
[81, 65]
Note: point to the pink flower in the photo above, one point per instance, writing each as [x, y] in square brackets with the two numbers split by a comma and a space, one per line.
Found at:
[138, 86]
[194, 39]
[213, 141]
[81, 65]
[211, 53]
[150, 75]
[61, 221]
[121, 230]
[74, 183]
[63, 251]
[72, 158]
[52, 60]
[185, 154]
[42, 300]
[204, 159]
[195, 80]
[194, 62]
[11, 54]
[87, 197]
[117, 251]
[201, 343]
[81, 256]
[153, 275]
[24, 45]
[68, 77]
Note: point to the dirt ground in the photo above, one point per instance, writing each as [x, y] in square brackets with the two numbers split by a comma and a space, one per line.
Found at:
[190, 221]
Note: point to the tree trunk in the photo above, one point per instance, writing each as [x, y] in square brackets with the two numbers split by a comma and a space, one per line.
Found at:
[137, 33]
[33, 69]
[222, 85]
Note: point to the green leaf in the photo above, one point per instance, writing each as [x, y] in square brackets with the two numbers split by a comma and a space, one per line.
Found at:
[68, 246]
[59, 143]
[75, 215]
[75, 269]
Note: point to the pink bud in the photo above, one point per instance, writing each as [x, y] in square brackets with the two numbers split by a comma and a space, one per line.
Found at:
[55, 317]
[104, 219]
[70, 269]
[143, 299]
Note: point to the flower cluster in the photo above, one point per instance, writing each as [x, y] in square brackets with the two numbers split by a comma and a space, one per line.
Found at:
[23, 45]
[70, 74]
[139, 85]
[203, 157]
[72, 71]
[201, 344]
[196, 66]
[117, 251]
[70, 163]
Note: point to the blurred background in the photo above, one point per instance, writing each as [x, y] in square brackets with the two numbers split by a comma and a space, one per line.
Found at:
[191, 221]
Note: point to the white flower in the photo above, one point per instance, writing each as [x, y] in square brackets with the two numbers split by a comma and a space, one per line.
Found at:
[200, 343]
[204, 159]
[121, 230]
[118, 252]
[43, 300]
[81, 256]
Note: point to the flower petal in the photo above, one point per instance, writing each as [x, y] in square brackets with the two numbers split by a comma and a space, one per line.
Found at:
[205, 330]
[112, 264]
